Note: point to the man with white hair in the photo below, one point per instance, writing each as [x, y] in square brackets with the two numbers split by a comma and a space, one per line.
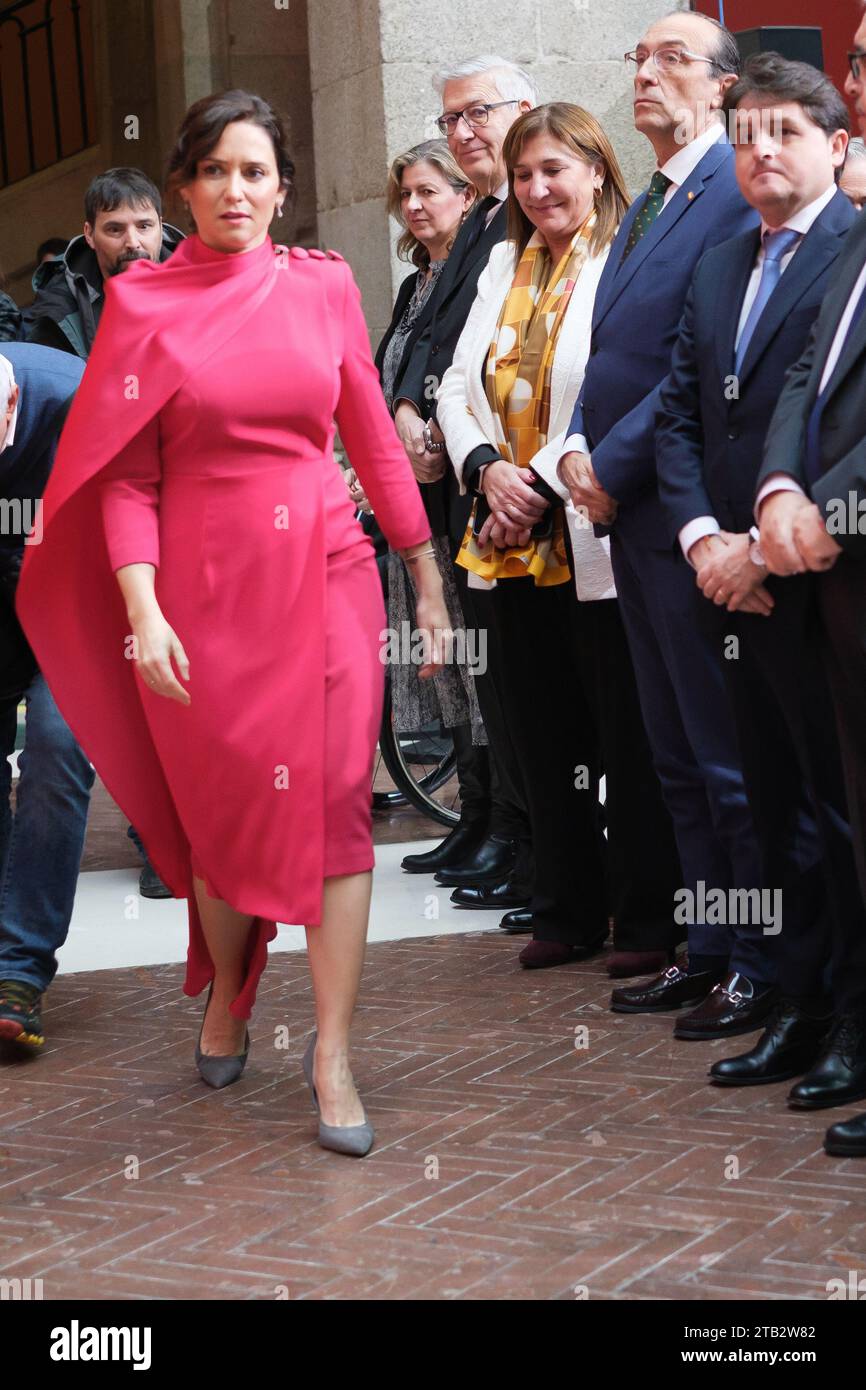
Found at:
[481, 100]
[41, 844]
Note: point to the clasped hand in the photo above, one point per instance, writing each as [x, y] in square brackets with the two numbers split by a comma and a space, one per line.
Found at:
[727, 576]
[587, 494]
[514, 507]
[427, 467]
[794, 538]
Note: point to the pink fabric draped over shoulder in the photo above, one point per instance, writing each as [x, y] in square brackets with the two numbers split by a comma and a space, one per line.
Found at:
[201, 442]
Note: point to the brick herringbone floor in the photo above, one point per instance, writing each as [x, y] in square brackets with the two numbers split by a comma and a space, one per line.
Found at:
[510, 1162]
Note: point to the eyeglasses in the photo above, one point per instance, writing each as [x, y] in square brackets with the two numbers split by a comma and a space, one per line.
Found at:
[476, 115]
[856, 62]
[666, 59]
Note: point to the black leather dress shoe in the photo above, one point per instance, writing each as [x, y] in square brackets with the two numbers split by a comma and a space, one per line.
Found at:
[847, 1138]
[790, 1044]
[491, 862]
[733, 1006]
[672, 989]
[498, 895]
[520, 920]
[839, 1077]
[150, 885]
[455, 849]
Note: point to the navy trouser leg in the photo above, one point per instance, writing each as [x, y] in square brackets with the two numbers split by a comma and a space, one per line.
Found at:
[691, 731]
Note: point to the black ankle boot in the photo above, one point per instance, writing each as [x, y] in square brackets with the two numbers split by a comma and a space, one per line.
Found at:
[492, 862]
[455, 849]
[791, 1043]
[840, 1076]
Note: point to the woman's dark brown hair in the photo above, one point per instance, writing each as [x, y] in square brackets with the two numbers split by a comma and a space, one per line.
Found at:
[202, 128]
[582, 134]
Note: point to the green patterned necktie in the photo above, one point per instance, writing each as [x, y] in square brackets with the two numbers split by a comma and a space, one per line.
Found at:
[649, 211]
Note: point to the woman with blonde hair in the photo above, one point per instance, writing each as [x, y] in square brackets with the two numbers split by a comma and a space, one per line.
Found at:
[558, 660]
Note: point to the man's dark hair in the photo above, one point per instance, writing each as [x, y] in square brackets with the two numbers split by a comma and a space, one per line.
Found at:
[770, 76]
[52, 246]
[118, 188]
[725, 53]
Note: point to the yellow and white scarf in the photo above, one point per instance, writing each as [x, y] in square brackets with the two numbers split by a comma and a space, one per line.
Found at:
[517, 383]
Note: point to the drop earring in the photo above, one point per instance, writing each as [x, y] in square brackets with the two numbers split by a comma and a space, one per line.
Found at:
[279, 209]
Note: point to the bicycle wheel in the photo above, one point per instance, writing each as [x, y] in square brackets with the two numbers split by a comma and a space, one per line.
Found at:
[423, 767]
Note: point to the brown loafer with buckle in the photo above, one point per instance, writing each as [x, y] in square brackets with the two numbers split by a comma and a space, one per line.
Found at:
[672, 989]
[733, 1006]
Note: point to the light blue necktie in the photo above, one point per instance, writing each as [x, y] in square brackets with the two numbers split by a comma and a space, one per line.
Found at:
[776, 245]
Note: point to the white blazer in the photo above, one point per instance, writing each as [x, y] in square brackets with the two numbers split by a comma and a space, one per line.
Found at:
[466, 419]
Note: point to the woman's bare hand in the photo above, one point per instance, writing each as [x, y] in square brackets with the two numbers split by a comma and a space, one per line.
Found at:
[427, 467]
[156, 646]
[356, 491]
[511, 499]
[434, 625]
[503, 535]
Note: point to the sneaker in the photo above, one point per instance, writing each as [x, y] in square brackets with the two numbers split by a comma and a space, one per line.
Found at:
[20, 1017]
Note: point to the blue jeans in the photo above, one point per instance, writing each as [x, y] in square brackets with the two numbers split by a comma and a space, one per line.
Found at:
[41, 845]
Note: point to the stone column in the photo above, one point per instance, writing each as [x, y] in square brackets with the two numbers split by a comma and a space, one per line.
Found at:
[371, 65]
[260, 45]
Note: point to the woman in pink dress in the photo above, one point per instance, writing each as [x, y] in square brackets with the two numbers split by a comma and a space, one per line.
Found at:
[204, 605]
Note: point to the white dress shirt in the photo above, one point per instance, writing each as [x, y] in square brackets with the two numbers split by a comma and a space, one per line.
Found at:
[678, 168]
[683, 164]
[783, 482]
[800, 222]
[501, 193]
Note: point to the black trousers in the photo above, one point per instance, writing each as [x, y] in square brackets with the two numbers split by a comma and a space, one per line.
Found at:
[509, 816]
[643, 865]
[786, 730]
[842, 598]
[473, 776]
[533, 665]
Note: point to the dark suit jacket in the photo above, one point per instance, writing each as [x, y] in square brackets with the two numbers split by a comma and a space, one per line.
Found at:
[711, 426]
[47, 379]
[636, 321]
[404, 294]
[843, 433]
[431, 348]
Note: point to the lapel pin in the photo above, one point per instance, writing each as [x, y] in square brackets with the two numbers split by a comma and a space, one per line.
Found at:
[691, 195]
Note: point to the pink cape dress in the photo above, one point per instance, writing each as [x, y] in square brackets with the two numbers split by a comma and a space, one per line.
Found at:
[201, 441]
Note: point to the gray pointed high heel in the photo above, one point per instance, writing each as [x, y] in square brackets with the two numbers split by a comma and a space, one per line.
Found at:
[356, 1140]
[220, 1071]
